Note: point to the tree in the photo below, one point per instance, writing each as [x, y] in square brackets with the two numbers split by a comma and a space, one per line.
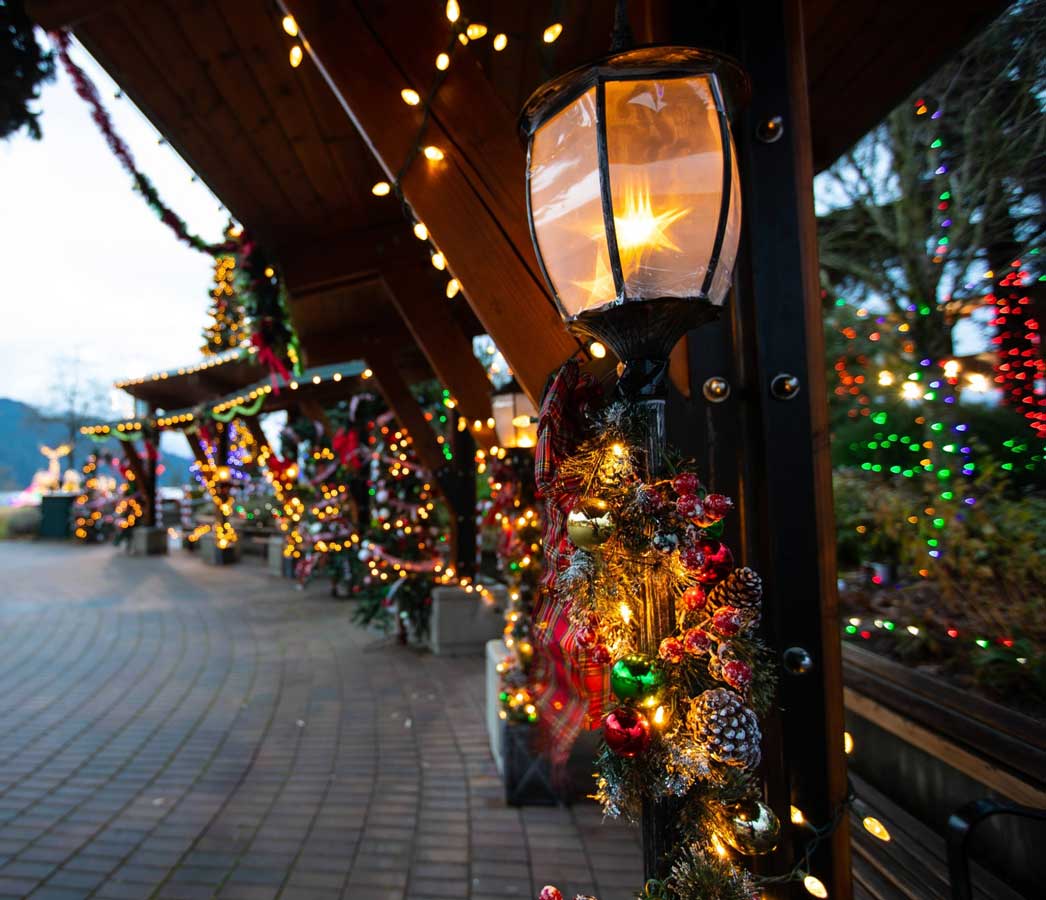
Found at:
[920, 203]
[76, 400]
[24, 66]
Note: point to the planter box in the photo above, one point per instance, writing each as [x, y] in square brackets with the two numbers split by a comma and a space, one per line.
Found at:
[55, 515]
[213, 556]
[930, 748]
[496, 652]
[274, 555]
[462, 623]
[528, 776]
[147, 540]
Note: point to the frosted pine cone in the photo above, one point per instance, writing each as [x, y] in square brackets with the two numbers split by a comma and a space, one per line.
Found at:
[742, 588]
[726, 728]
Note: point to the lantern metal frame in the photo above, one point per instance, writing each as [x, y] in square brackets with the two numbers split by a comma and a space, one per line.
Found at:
[638, 327]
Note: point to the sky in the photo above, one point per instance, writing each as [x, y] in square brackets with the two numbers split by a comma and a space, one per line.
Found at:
[87, 271]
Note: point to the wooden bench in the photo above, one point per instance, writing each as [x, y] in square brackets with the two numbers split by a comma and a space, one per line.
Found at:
[913, 863]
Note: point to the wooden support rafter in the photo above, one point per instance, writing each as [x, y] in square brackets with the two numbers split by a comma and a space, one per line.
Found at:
[447, 348]
[472, 200]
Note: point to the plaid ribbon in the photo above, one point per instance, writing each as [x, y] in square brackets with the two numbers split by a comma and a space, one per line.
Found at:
[570, 687]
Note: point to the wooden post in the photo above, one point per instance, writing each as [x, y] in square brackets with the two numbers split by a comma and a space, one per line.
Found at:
[144, 476]
[771, 453]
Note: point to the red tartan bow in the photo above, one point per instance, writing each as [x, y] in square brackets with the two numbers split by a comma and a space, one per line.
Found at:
[279, 466]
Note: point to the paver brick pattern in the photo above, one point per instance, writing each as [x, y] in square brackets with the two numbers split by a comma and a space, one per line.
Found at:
[173, 731]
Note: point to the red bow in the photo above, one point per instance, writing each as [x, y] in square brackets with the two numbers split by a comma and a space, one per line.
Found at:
[345, 443]
[279, 466]
[267, 357]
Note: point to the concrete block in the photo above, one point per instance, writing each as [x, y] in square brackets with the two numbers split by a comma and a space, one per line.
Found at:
[213, 556]
[148, 541]
[462, 623]
[274, 554]
[496, 652]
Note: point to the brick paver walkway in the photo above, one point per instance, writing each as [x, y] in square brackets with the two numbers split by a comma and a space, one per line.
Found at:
[168, 730]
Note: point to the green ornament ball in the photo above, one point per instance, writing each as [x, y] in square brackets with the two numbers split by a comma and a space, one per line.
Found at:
[635, 678]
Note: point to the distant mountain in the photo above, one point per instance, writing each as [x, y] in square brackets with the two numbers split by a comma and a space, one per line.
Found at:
[22, 432]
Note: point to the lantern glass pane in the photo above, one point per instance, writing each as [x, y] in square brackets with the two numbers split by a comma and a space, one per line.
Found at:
[665, 154]
[567, 209]
[512, 420]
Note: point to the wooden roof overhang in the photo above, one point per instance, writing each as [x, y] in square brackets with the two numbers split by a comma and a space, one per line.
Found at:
[198, 383]
[293, 152]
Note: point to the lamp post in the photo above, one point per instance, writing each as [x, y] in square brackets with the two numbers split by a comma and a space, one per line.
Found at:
[633, 199]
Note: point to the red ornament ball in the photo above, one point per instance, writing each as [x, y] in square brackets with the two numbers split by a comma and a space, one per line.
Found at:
[717, 505]
[685, 483]
[718, 561]
[689, 506]
[692, 557]
[548, 892]
[600, 655]
[586, 636]
[671, 650]
[737, 674]
[694, 598]
[727, 621]
[626, 731]
[696, 641]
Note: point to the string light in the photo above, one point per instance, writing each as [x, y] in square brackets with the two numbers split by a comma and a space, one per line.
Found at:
[453, 287]
[597, 350]
[290, 25]
[410, 97]
[875, 828]
[381, 189]
[443, 62]
[453, 11]
[421, 232]
[433, 153]
[475, 31]
[296, 56]
[815, 887]
[500, 42]
[438, 261]
[552, 32]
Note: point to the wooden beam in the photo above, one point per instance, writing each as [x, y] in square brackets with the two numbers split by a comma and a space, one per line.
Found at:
[447, 348]
[471, 201]
[348, 256]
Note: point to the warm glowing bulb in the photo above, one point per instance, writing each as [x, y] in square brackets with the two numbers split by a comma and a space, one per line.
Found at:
[815, 886]
[290, 26]
[875, 828]
[626, 612]
[453, 10]
[439, 261]
[552, 32]
[951, 368]
[500, 41]
[718, 846]
[410, 97]
[433, 153]
[421, 232]
[442, 62]
[848, 742]
[911, 390]
[977, 383]
[381, 189]
[885, 378]
[476, 30]
[597, 350]
[453, 287]
[797, 815]
[661, 716]
[296, 56]
[367, 373]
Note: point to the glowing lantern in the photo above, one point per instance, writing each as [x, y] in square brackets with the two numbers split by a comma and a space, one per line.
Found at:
[515, 418]
[633, 194]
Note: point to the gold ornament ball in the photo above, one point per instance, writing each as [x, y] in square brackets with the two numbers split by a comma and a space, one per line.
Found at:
[590, 523]
[750, 827]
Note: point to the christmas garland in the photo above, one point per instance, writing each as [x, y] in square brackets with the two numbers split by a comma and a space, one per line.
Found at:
[648, 596]
[89, 93]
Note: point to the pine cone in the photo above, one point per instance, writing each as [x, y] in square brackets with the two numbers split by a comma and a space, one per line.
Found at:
[726, 729]
[742, 588]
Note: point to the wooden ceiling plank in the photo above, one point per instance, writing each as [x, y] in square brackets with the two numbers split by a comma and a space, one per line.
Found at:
[346, 256]
[260, 42]
[500, 286]
[137, 72]
[244, 101]
[52, 15]
[447, 348]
